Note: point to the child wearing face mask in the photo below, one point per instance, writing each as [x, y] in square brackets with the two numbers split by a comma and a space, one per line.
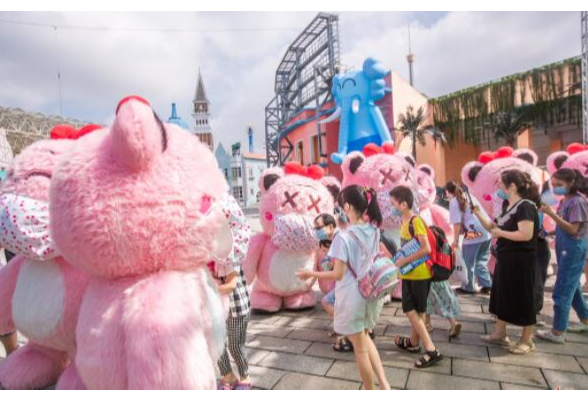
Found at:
[232, 278]
[325, 228]
[416, 283]
[571, 251]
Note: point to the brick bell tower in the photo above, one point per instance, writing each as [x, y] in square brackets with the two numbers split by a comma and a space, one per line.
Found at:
[201, 114]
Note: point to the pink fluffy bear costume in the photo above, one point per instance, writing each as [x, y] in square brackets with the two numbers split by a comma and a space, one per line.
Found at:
[133, 205]
[575, 157]
[481, 176]
[381, 169]
[40, 293]
[291, 198]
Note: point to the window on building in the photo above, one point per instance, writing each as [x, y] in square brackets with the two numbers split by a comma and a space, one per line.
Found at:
[314, 150]
[238, 193]
[236, 172]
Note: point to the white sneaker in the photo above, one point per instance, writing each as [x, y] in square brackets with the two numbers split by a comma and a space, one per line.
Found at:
[547, 335]
[578, 328]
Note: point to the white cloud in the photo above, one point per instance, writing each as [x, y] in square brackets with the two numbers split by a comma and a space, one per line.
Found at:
[453, 50]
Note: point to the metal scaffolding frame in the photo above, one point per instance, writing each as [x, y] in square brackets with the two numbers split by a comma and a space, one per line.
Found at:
[23, 128]
[584, 22]
[302, 79]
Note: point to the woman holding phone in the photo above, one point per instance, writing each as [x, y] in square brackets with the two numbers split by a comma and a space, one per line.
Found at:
[476, 239]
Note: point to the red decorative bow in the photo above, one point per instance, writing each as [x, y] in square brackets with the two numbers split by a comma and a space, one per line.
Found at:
[503, 152]
[576, 148]
[69, 132]
[313, 172]
[371, 149]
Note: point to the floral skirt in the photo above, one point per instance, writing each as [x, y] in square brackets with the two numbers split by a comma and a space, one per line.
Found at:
[442, 300]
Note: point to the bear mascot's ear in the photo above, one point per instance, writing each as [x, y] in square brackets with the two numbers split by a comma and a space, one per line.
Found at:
[556, 160]
[527, 155]
[427, 169]
[333, 186]
[470, 171]
[352, 162]
[407, 157]
[269, 177]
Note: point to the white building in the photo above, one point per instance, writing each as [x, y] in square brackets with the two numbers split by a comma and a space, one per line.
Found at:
[242, 170]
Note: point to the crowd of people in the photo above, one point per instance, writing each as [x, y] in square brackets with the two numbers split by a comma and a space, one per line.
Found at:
[350, 238]
[516, 287]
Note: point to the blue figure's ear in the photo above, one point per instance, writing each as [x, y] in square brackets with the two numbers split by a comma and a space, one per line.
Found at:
[373, 69]
[377, 89]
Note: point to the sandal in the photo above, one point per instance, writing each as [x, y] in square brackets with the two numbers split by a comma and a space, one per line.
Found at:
[429, 328]
[454, 333]
[332, 334]
[505, 341]
[343, 345]
[404, 343]
[429, 358]
[522, 348]
[372, 335]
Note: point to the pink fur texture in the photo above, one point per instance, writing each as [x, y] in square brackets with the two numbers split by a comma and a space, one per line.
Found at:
[53, 288]
[270, 268]
[382, 172]
[131, 205]
[576, 157]
[432, 213]
[482, 179]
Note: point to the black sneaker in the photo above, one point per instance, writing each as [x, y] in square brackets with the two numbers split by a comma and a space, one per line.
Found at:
[485, 290]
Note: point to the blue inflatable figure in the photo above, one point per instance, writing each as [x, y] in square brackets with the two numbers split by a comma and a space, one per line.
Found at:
[361, 120]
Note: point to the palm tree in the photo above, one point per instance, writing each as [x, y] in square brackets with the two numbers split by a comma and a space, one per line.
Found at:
[412, 125]
[508, 125]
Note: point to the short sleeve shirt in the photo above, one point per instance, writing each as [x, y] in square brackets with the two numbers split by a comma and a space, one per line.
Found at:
[420, 229]
[523, 210]
[574, 210]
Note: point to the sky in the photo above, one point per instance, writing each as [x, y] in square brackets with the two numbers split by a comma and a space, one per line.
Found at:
[103, 57]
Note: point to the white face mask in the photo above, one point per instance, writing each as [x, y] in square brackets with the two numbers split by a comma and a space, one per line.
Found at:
[24, 227]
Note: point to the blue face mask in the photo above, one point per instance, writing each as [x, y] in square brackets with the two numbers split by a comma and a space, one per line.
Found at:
[321, 234]
[560, 190]
[501, 194]
[342, 217]
[396, 212]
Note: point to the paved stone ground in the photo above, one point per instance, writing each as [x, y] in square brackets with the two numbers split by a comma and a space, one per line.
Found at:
[292, 350]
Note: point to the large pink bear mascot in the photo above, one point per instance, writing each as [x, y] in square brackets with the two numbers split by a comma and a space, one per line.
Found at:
[575, 157]
[133, 206]
[481, 176]
[381, 169]
[291, 198]
[40, 293]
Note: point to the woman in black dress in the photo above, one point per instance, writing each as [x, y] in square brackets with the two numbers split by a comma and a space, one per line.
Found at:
[512, 297]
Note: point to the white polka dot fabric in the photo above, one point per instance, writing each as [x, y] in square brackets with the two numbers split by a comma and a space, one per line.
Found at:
[24, 227]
